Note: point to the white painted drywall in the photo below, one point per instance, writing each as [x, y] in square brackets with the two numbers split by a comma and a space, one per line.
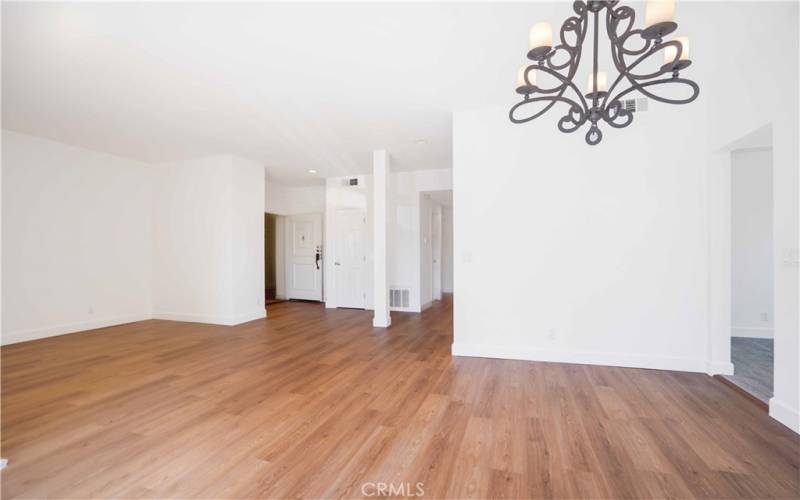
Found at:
[568, 252]
[773, 77]
[280, 199]
[247, 220]
[751, 243]
[208, 238]
[447, 249]
[77, 233]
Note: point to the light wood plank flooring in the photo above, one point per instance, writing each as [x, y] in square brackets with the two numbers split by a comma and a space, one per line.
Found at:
[315, 403]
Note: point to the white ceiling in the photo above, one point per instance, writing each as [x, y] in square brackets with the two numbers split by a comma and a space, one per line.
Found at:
[294, 86]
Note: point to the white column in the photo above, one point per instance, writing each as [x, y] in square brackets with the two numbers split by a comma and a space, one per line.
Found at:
[380, 194]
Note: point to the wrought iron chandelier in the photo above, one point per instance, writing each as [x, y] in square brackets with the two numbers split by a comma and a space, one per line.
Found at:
[600, 103]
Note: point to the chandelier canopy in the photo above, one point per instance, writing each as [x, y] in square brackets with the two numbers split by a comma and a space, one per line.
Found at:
[630, 47]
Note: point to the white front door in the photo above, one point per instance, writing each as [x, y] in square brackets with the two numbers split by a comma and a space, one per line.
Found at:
[304, 257]
[350, 260]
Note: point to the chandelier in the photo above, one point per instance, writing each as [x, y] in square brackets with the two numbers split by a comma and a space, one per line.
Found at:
[630, 47]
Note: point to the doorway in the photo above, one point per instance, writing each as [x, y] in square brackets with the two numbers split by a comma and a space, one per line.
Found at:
[304, 257]
[351, 258]
[273, 259]
[436, 240]
[752, 271]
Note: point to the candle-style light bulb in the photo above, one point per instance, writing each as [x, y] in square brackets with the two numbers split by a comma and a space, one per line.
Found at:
[659, 11]
[602, 82]
[521, 77]
[670, 50]
[540, 40]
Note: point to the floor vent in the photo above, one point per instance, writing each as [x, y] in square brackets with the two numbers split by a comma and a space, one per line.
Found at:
[398, 298]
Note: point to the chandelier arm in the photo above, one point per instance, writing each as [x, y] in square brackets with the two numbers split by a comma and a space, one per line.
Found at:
[552, 101]
[566, 82]
[615, 111]
[625, 72]
[640, 87]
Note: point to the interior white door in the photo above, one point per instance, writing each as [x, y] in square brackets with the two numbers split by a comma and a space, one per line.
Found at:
[304, 257]
[436, 230]
[350, 260]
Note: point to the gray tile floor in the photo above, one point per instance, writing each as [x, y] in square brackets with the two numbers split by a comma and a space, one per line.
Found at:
[752, 362]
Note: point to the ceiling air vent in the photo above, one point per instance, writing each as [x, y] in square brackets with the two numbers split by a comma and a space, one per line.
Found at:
[398, 298]
[632, 105]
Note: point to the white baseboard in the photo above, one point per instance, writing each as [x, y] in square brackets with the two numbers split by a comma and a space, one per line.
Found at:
[783, 413]
[65, 328]
[426, 305]
[211, 320]
[382, 322]
[581, 357]
[752, 332]
[251, 316]
[719, 368]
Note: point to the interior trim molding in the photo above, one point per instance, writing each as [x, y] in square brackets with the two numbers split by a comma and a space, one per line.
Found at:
[720, 368]
[65, 328]
[783, 413]
[251, 316]
[625, 360]
[212, 320]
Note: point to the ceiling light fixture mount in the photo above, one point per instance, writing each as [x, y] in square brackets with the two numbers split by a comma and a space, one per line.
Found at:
[312, 171]
[599, 101]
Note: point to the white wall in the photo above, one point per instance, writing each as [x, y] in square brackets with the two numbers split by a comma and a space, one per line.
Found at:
[773, 77]
[447, 249]
[209, 240]
[77, 233]
[280, 199]
[247, 240]
[575, 253]
[751, 243]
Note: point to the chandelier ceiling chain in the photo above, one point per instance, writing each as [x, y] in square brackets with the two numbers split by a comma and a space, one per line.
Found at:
[601, 105]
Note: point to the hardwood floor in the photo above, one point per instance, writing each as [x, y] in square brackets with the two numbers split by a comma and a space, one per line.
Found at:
[315, 403]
